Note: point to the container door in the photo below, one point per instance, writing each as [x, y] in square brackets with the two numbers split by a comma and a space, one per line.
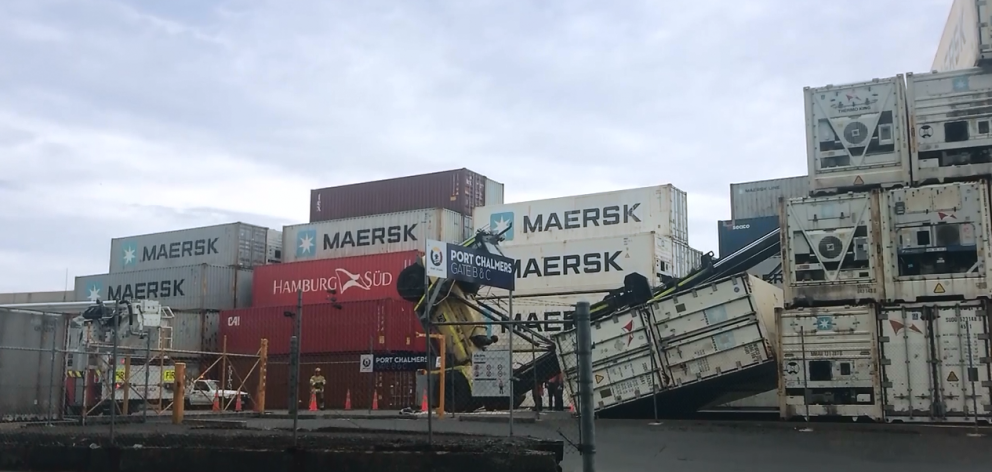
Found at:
[961, 345]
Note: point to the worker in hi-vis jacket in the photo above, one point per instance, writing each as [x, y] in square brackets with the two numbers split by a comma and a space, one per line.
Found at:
[317, 387]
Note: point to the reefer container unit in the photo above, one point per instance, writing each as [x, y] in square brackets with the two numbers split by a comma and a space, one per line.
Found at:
[395, 389]
[234, 244]
[352, 278]
[856, 135]
[830, 250]
[186, 288]
[588, 265]
[735, 234]
[936, 242]
[378, 234]
[37, 297]
[459, 190]
[29, 389]
[691, 357]
[829, 362]
[661, 209]
[965, 40]
[761, 198]
[935, 362]
[365, 326]
[950, 117]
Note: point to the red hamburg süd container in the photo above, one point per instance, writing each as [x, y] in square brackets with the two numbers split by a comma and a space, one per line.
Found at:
[459, 190]
[366, 326]
[357, 278]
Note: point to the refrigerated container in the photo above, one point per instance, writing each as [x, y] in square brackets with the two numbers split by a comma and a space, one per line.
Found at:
[760, 198]
[186, 288]
[936, 242]
[856, 135]
[459, 190]
[769, 270]
[365, 326]
[589, 265]
[965, 40]
[950, 118]
[377, 234]
[829, 362]
[830, 250]
[235, 244]
[935, 362]
[733, 235]
[660, 209]
[31, 380]
[351, 278]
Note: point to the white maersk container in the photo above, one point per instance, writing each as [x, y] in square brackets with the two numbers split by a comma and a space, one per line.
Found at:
[830, 251]
[965, 41]
[935, 362]
[713, 331]
[589, 265]
[951, 119]
[856, 135]
[230, 245]
[936, 242]
[661, 209]
[829, 362]
[377, 234]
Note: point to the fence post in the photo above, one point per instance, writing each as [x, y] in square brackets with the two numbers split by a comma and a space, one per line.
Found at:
[586, 426]
[51, 375]
[113, 377]
[179, 398]
[263, 359]
[126, 386]
[512, 397]
[148, 367]
[223, 375]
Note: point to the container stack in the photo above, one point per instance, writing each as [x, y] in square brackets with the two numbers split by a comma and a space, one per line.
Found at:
[573, 249]
[885, 264]
[196, 272]
[346, 262]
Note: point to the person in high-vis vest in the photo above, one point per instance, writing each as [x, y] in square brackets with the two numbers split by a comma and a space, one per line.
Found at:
[317, 387]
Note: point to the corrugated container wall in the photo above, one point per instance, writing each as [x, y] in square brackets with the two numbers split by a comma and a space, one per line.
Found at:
[37, 297]
[233, 244]
[395, 390]
[684, 258]
[273, 246]
[587, 265]
[961, 42]
[195, 331]
[378, 234]
[27, 382]
[733, 235]
[196, 287]
[459, 190]
[353, 278]
[661, 209]
[760, 198]
[368, 326]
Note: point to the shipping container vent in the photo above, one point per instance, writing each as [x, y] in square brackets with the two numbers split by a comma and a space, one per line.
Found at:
[856, 132]
[948, 235]
[830, 247]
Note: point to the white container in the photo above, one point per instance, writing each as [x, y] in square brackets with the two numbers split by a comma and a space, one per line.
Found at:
[761, 198]
[273, 247]
[936, 242]
[856, 135]
[234, 244]
[935, 362]
[830, 252]
[684, 258]
[769, 270]
[831, 354]
[661, 209]
[964, 40]
[587, 265]
[548, 315]
[188, 288]
[36, 297]
[951, 119]
[377, 234]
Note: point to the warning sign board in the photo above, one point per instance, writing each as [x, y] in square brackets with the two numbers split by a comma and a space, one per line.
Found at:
[491, 373]
[952, 377]
[858, 181]
[939, 288]
[599, 379]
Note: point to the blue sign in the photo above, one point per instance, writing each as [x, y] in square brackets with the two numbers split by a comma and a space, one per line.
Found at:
[735, 234]
[451, 261]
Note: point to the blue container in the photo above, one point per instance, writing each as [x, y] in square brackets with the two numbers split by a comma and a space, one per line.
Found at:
[735, 234]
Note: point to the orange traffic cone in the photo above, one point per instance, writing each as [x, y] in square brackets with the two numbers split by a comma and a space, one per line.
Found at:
[375, 400]
[313, 401]
[423, 403]
[216, 405]
[347, 400]
[237, 403]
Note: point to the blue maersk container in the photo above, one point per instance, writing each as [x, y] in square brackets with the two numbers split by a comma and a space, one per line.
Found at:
[735, 234]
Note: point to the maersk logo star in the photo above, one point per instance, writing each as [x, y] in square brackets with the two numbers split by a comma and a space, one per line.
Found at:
[130, 251]
[93, 292]
[499, 222]
[824, 323]
[306, 242]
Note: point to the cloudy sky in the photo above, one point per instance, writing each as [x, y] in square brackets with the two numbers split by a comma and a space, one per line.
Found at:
[129, 117]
